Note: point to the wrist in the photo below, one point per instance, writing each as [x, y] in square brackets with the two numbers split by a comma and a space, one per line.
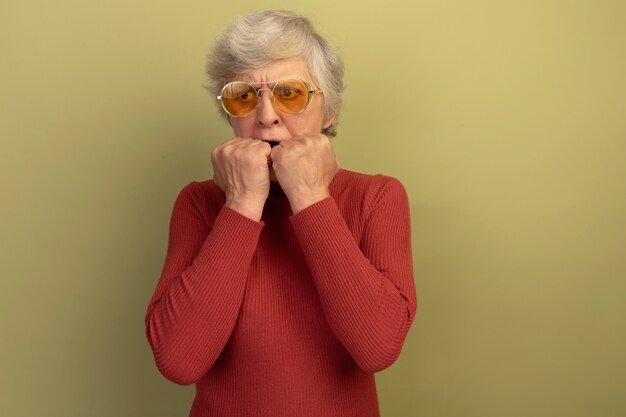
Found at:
[301, 201]
[249, 206]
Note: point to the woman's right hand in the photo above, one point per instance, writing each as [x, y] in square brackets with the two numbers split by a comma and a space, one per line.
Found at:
[240, 169]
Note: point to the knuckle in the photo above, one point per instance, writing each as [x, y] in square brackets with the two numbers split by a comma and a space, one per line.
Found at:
[236, 152]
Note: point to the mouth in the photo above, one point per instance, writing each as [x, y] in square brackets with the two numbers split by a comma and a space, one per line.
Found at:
[272, 141]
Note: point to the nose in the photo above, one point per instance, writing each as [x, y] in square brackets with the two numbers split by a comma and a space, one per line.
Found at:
[267, 116]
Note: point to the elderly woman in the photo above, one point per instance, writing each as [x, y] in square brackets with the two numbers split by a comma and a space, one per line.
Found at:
[288, 281]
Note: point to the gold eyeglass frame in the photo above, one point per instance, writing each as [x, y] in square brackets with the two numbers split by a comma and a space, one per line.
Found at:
[310, 90]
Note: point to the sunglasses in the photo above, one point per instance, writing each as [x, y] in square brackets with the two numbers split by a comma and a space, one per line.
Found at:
[291, 95]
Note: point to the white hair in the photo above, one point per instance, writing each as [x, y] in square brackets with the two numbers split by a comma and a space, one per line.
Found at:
[257, 40]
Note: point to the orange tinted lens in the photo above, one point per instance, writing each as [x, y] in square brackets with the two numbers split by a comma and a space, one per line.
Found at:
[239, 98]
[291, 95]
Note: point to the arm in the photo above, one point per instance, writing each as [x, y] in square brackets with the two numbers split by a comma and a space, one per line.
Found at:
[196, 302]
[367, 289]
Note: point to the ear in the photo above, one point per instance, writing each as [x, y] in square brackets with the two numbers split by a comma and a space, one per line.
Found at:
[329, 122]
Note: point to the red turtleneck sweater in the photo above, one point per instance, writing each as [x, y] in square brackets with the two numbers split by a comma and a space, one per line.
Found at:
[290, 316]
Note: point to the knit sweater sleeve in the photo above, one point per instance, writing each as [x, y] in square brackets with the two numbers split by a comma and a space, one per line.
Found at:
[197, 299]
[366, 288]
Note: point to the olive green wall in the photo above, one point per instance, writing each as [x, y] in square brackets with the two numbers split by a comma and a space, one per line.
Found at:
[504, 120]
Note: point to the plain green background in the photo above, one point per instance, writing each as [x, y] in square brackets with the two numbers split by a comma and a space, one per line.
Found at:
[505, 120]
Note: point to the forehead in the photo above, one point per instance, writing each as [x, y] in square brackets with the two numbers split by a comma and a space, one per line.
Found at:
[292, 67]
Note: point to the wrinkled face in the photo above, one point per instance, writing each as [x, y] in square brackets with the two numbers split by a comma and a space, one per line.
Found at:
[268, 123]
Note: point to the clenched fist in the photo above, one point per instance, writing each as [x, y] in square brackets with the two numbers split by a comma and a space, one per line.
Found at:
[304, 167]
[240, 169]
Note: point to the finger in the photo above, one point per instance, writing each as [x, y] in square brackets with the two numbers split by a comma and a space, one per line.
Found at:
[275, 151]
[267, 150]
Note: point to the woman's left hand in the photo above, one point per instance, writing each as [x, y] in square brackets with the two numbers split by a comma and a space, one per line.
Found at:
[304, 167]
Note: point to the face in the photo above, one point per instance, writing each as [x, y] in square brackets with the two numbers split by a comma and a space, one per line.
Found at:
[268, 123]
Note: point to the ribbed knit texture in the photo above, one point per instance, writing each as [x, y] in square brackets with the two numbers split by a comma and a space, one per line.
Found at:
[290, 316]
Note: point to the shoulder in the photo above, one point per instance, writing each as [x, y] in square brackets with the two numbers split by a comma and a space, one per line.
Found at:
[366, 190]
[202, 198]
[347, 178]
[203, 190]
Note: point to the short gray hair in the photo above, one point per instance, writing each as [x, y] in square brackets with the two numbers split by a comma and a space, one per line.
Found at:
[257, 40]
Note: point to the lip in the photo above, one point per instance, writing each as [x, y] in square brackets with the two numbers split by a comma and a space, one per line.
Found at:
[272, 142]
